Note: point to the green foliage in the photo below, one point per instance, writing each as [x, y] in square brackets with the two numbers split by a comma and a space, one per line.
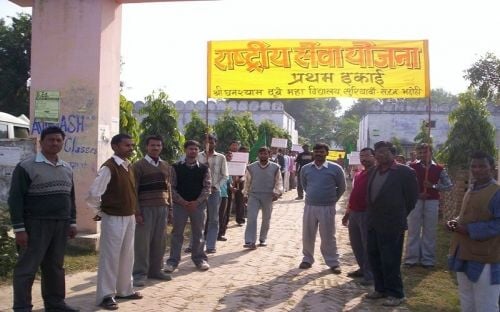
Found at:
[470, 130]
[8, 253]
[251, 128]
[161, 119]
[196, 129]
[229, 127]
[15, 56]
[484, 77]
[347, 131]
[130, 125]
[423, 135]
[271, 131]
[314, 118]
[397, 144]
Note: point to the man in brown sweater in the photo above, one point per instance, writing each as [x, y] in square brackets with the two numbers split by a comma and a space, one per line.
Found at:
[152, 176]
[113, 195]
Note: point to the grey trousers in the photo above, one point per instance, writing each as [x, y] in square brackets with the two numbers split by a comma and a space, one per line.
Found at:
[150, 242]
[358, 236]
[179, 221]
[421, 239]
[324, 218]
[256, 201]
[46, 245]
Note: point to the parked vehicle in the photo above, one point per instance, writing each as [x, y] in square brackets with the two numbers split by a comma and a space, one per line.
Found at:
[13, 127]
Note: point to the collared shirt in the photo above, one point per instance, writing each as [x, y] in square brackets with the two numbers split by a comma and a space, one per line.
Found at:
[278, 181]
[41, 158]
[152, 161]
[323, 165]
[480, 231]
[98, 187]
[218, 167]
[205, 192]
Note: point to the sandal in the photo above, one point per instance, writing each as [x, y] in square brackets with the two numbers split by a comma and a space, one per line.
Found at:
[135, 296]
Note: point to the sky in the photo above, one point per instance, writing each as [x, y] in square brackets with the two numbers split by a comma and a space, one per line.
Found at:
[164, 45]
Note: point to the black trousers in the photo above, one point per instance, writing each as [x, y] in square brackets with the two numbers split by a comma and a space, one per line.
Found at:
[223, 216]
[384, 252]
[46, 245]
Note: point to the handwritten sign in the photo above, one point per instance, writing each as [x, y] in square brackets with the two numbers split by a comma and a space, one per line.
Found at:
[236, 168]
[277, 142]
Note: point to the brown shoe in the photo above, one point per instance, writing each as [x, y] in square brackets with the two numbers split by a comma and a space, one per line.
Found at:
[336, 270]
[135, 296]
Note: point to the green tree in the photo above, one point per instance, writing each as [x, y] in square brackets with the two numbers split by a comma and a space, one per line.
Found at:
[130, 125]
[196, 128]
[250, 126]
[397, 144]
[161, 119]
[15, 56]
[314, 118]
[347, 131]
[271, 131]
[423, 135]
[484, 77]
[229, 127]
[470, 130]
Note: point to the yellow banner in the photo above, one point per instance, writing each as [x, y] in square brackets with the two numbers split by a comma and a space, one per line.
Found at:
[266, 69]
[334, 155]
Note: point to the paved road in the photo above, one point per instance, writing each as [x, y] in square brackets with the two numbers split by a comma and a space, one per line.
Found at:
[266, 279]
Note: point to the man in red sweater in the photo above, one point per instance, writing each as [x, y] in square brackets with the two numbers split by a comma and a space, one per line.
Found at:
[355, 217]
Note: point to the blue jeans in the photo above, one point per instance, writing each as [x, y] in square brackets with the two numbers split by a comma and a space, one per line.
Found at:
[212, 226]
[179, 220]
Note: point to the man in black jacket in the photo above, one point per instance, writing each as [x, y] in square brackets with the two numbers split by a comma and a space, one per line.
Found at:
[392, 194]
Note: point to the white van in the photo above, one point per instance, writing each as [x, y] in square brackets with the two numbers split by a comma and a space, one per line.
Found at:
[13, 127]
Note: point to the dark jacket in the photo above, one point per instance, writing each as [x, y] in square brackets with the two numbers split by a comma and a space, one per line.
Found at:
[396, 199]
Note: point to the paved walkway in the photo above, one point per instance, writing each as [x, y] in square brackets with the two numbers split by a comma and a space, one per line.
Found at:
[266, 279]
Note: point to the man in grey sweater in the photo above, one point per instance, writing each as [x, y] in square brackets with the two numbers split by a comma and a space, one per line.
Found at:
[263, 185]
[324, 184]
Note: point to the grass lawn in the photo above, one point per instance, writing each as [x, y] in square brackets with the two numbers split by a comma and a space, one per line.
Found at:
[432, 289]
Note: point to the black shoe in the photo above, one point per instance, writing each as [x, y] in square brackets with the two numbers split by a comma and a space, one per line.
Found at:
[410, 265]
[356, 273]
[335, 270]
[250, 246]
[428, 266]
[188, 250]
[134, 296]
[305, 265]
[211, 250]
[222, 238]
[109, 303]
[299, 197]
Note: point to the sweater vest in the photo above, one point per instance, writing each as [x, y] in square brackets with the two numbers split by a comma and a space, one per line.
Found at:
[153, 183]
[120, 197]
[475, 208]
[190, 180]
[433, 177]
[263, 179]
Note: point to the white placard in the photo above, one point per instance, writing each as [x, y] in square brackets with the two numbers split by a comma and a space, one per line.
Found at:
[236, 168]
[354, 158]
[297, 148]
[277, 142]
[10, 156]
[240, 157]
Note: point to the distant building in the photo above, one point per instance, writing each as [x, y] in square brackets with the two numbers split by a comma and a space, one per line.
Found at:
[403, 121]
[260, 110]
